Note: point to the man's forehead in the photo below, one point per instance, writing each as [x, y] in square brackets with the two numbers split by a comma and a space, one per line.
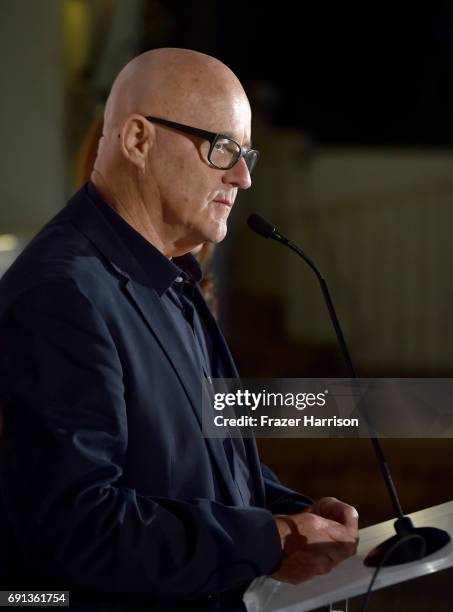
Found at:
[230, 116]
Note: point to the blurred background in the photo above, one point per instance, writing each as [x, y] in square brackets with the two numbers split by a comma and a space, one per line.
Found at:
[352, 115]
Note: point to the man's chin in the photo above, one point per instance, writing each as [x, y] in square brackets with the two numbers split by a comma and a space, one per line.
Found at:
[217, 239]
[218, 233]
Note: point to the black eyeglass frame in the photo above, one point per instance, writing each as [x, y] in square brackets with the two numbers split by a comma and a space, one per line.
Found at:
[212, 137]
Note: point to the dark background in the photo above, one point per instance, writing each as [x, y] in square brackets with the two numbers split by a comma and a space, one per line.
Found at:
[374, 73]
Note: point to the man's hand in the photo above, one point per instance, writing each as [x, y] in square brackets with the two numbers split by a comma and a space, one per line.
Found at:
[335, 510]
[316, 540]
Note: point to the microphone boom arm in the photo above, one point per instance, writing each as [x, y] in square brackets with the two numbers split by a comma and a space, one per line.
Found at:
[399, 548]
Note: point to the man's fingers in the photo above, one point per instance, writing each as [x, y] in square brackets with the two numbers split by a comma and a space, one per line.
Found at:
[347, 515]
[336, 510]
[342, 534]
[339, 551]
[304, 565]
[317, 529]
[314, 544]
[329, 544]
[334, 551]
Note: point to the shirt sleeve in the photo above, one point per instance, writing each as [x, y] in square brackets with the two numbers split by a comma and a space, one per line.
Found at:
[280, 499]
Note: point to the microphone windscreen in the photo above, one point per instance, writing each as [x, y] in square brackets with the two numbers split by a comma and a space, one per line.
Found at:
[260, 225]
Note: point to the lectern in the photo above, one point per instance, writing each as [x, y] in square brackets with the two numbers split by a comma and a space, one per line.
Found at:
[351, 578]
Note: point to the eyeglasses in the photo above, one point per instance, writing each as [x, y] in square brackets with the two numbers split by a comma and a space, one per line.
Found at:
[224, 152]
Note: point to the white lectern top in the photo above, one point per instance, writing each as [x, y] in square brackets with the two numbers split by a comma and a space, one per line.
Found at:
[351, 578]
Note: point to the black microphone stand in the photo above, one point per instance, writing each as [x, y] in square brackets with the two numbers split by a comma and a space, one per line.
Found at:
[410, 543]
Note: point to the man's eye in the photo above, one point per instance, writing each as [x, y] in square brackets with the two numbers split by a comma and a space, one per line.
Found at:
[221, 145]
[226, 146]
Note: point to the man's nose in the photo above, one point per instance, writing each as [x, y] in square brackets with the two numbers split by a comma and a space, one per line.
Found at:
[238, 175]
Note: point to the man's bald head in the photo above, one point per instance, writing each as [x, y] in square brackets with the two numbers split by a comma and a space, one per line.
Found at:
[173, 83]
[159, 177]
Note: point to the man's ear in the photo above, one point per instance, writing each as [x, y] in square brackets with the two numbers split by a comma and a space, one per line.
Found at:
[137, 135]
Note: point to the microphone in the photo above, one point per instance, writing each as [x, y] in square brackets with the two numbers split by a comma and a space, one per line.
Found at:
[400, 547]
[262, 226]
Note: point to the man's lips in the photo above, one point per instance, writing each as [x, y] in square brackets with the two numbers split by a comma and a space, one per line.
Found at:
[224, 201]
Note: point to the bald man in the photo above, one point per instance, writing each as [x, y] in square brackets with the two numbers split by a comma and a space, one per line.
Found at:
[108, 487]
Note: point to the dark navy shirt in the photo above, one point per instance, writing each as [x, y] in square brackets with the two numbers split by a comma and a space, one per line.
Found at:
[175, 281]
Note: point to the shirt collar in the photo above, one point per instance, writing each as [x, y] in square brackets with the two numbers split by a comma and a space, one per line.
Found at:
[162, 271]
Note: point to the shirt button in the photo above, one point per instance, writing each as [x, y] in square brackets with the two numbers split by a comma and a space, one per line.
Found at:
[179, 279]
